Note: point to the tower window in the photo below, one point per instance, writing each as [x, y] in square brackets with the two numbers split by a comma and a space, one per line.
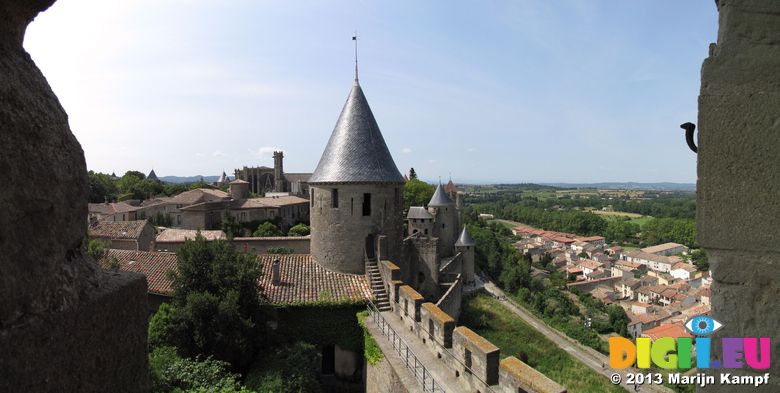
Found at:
[367, 204]
[352, 206]
[312, 197]
[334, 198]
[397, 197]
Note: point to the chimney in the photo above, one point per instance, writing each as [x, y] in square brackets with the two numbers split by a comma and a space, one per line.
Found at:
[276, 272]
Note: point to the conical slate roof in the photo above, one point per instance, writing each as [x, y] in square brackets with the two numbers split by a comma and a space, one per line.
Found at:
[440, 198]
[465, 239]
[356, 151]
[152, 175]
[223, 178]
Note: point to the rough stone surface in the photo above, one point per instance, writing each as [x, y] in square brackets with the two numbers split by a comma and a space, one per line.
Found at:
[338, 234]
[64, 325]
[738, 198]
[99, 348]
[36, 143]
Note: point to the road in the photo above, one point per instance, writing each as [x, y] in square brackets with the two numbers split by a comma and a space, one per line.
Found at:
[589, 356]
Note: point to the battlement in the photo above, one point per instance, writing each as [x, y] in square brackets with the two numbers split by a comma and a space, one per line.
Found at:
[460, 359]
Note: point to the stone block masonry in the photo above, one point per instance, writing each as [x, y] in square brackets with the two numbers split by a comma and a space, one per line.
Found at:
[738, 190]
[65, 326]
[457, 358]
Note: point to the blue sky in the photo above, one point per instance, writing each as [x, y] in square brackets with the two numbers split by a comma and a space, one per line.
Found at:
[493, 91]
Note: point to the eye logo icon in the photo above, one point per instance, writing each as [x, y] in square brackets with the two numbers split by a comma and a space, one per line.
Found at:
[702, 325]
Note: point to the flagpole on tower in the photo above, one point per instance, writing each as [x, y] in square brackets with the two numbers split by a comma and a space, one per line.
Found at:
[355, 38]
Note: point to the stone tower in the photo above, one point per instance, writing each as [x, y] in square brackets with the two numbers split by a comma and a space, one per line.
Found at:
[465, 246]
[278, 171]
[445, 220]
[356, 193]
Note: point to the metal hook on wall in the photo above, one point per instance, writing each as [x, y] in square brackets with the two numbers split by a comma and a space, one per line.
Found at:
[689, 128]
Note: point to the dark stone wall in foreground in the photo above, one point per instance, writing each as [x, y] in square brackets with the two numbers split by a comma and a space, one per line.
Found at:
[65, 325]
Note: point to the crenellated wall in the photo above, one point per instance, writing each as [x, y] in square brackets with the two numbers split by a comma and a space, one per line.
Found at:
[468, 361]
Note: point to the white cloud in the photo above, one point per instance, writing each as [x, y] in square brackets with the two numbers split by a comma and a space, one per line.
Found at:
[471, 149]
[406, 150]
[432, 161]
[218, 153]
[266, 151]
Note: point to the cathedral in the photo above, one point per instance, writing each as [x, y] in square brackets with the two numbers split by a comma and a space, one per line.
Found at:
[263, 179]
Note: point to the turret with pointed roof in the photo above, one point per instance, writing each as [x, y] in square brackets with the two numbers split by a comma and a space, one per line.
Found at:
[465, 246]
[356, 151]
[356, 193]
[440, 198]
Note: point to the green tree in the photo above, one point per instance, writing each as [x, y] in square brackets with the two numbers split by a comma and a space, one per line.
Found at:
[618, 319]
[417, 193]
[267, 229]
[216, 303]
[171, 189]
[199, 184]
[230, 226]
[700, 259]
[169, 372]
[98, 248]
[101, 187]
[299, 230]
[412, 174]
[287, 369]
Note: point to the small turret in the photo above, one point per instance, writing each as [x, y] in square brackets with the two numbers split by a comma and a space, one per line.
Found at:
[445, 220]
[239, 189]
[465, 246]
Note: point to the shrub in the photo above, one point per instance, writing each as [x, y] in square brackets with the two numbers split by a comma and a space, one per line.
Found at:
[287, 369]
[299, 230]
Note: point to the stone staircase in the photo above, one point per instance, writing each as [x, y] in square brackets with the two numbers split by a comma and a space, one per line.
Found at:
[382, 301]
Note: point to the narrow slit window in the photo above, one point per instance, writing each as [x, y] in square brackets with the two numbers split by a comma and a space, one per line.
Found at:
[367, 204]
[334, 198]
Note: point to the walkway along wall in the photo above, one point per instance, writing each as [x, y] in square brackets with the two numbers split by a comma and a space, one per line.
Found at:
[473, 360]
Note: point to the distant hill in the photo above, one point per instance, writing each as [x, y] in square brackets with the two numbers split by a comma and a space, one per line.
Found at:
[188, 179]
[629, 186]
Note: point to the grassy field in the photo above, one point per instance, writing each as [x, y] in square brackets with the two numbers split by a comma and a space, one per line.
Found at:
[616, 214]
[487, 317]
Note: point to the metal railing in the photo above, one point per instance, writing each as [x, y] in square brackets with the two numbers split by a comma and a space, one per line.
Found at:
[401, 347]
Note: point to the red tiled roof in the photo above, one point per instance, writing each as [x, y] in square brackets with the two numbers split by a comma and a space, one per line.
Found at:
[118, 229]
[675, 330]
[111, 208]
[267, 202]
[199, 195]
[304, 280]
[154, 265]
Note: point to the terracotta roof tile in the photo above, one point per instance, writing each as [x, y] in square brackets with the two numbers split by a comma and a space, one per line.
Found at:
[180, 235]
[304, 280]
[118, 229]
[154, 265]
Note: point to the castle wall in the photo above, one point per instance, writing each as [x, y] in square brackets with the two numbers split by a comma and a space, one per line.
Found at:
[431, 331]
[737, 206]
[423, 257]
[260, 245]
[450, 302]
[339, 234]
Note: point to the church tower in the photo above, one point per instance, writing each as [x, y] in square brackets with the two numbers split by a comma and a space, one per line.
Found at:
[356, 193]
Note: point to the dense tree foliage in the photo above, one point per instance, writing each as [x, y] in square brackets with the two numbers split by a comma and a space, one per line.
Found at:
[412, 174]
[530, 212]
[417, 193]
[299, 230]
[286, 369]
[267, 229]
[170, 372]
[216, 303]
[663, 230]
[101, 187]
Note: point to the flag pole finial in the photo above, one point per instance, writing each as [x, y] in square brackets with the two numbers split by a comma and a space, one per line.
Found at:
[355, 38]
